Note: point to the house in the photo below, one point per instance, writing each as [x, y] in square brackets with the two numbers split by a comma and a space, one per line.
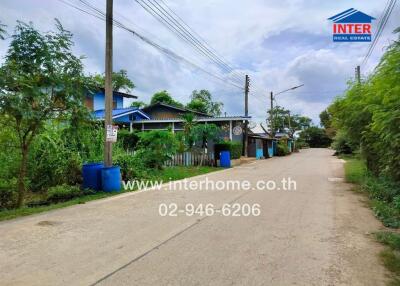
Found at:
[95, 100]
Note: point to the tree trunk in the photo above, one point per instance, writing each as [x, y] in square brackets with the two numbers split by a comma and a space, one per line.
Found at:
[21, 176]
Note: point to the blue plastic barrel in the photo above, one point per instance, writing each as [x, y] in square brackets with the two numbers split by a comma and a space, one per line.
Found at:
[259, 153]
[91, 174]
[111, 179]
[225, 159]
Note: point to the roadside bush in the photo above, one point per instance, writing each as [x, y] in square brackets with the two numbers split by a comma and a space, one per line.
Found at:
[155, 148]
[235, 149]
[282, 148]
[63, 193]
[8, 194]
[341, 144]
[127, 139]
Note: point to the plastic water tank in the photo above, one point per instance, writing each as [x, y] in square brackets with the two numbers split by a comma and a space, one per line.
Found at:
[111, 179]
[91, 174]
[225, 159]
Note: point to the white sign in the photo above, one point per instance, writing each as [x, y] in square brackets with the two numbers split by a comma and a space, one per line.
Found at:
[112, 131]
[237, 130]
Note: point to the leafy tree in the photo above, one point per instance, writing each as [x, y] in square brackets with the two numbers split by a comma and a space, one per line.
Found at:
[138, 104]
[120, 81]
[315, 137]
[2, 31]
[189, 122]
[201, 101]
[203, 133]
[164, 97]
[40, 80]
[282, 120]
[156, 147]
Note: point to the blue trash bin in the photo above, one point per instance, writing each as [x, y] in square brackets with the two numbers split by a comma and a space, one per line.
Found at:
[111, 179]
[91, 173]
[225, 159]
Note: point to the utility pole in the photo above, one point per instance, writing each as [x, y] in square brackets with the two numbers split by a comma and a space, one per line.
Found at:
[358, 75]
[108, 83]
[290, 127]
[246, 113]
[271, 115]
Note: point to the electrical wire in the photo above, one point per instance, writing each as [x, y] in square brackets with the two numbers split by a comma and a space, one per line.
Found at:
[97, 13]
[171, 23]
[381, 26]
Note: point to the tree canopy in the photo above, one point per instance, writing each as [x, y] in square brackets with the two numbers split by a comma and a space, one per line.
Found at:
[164, 97]
[120, 81]
[40, 80]
[201, 101]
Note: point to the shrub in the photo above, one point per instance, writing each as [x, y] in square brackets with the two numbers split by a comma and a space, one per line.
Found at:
[131, 166]
[63, 193]
[282, 148]
[155, 148]
[8, 194]
[235, 149]
[127, 139]
[341, 144]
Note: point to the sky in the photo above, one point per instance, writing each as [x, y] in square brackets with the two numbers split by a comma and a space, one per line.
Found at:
[279, 44]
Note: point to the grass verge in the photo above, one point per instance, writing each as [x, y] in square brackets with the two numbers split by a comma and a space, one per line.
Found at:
[165, 175]
[385, 202]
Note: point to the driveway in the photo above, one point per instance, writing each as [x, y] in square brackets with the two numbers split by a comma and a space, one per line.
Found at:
[316, 234]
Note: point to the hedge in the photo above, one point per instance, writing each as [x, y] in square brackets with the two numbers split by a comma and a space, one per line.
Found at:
[234, 148]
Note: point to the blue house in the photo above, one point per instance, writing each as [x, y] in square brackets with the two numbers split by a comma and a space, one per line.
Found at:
[95, 101]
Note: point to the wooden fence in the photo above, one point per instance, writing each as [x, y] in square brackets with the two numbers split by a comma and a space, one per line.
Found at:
[191, 159]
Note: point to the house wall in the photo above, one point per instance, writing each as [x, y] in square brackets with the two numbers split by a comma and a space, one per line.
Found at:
[99, 101]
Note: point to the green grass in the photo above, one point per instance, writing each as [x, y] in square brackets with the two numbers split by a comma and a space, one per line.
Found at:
[388, 238]
[355, 170]
[167, 174]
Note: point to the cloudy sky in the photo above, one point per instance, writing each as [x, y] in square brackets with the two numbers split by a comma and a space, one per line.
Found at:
[278, 43]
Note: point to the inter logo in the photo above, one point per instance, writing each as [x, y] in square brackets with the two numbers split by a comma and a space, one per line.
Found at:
[351, 26]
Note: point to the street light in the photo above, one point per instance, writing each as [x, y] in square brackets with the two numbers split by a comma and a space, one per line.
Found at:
[272, 106]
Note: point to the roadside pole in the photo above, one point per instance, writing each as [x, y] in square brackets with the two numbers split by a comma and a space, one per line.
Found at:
[246, 113]
[108, 84]
[358, 75]
[271, 115]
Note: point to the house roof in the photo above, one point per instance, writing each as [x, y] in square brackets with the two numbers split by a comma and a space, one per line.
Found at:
[351, 16]
[118, 93]
[176, 108]
[199, 119]
[119, 112]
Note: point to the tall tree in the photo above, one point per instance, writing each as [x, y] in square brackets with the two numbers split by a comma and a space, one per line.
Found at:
[2, 31]
[120, 81]
[40, 80]
[138, 104]
[164, 97]
[201, 101]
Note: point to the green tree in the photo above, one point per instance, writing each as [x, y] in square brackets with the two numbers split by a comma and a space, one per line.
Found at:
[120, 81]
[203, 133]
[189, 122]
[164, 97]
[283, 120]
[315, 137]
[156, 147]
[201, 101]
[2, 31]
[40, 80]
[138, 104]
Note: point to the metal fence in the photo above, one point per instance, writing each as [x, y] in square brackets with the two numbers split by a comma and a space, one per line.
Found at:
[191, 159]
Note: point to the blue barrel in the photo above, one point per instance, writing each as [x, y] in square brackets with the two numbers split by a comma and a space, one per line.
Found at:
[111, 179]
[91, 174]
[259, 153]
[225, 159]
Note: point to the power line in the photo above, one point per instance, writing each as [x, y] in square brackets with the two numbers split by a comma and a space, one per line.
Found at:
[171, 23]
[381, 26]
[101, 15]
[241, 75]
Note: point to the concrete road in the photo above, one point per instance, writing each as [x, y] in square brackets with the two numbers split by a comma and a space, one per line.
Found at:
[318, 234]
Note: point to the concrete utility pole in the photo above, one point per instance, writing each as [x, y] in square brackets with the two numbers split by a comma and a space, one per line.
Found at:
[108, 83]
[246, 113]
[358, 74]
[271, 115]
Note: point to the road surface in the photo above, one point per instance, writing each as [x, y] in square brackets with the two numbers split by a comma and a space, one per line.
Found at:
[318, 234]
